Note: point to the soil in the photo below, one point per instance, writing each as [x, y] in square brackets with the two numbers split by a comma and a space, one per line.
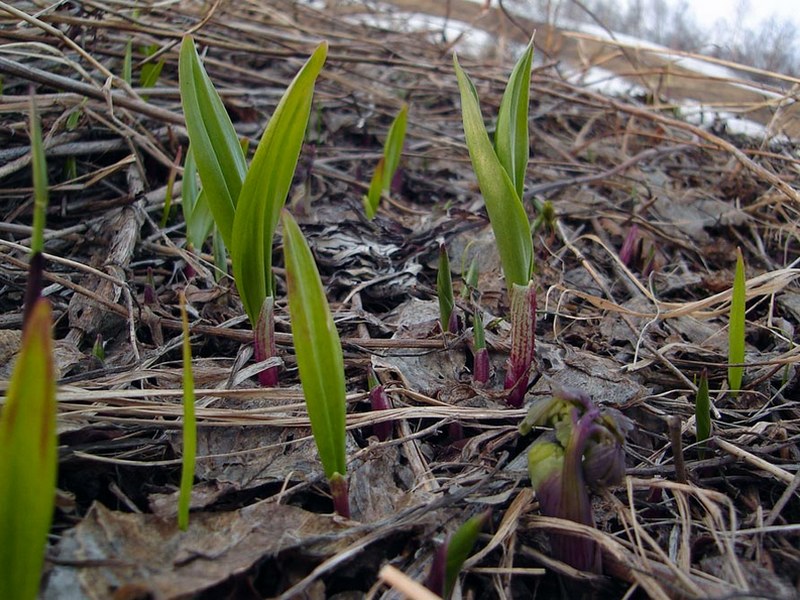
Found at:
[633, 331]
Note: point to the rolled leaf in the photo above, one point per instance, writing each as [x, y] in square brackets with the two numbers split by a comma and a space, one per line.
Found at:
[217, 152]
[196, 212]
[459, 547]
[267, 184]
[318, 350]
[28, 460]
[387, 166]
[511, 136]
[189, 425]
[506, 213]
[444, 289]
[736, 340]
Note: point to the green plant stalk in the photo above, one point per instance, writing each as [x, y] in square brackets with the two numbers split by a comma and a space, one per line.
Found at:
[319, 359]
[702, 412]
[28, 459]
[189, 426]
[736, 327]
[444, 290]
[387, 166]
[506, 213]
[40, 185]
[34, 284]
[266, 187]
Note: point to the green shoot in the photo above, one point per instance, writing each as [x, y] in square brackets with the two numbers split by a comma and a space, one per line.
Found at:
[215, 145]
[127, 63]
[444, 289]
[246, 204]
[511, 137]
[33, 287]
[500, 177]
[450, 557]
[28, 459]
[736, 345]
[702, 412]
[189, 425]
[266, 186]
[151, 71]
[196, 212]
[387, 165]
[319, 359]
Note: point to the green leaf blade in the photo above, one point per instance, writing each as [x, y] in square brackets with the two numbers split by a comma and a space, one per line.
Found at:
[267, 184]
[506, 213]
[373, 197]
[196, 212]
[393, 149]
[28, 460]
[218, 154]
[736, 326]
[511, 140]
[460, 546]
[318, 350]
[189, 425]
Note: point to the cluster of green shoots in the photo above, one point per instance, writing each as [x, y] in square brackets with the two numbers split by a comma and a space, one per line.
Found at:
[246, 205]
[584, 449]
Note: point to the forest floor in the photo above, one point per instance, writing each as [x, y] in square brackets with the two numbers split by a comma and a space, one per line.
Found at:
[634, 335]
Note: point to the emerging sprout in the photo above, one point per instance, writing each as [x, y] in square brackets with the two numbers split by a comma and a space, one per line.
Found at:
[523, 342]
[584, 449]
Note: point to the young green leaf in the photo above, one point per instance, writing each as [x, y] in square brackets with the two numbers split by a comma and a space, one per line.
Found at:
[196, 213]
[444, 290]
[702, 411]
[28, 460]
[40, 188]
[736, 345]
[511, 136]
[318, 350]
[266, 186]
[460, 546]
[127, 62]
[151, 70]
[387, 166]
[33, 287]
[217, 151]
[506, 213]
[189, 425]
[373, 197]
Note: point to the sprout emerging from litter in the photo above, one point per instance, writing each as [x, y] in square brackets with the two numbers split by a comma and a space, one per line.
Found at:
[585, 449]
[523, 342]
[379, 400]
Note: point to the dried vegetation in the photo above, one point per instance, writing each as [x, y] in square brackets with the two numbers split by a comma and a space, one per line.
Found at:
[719, 526]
